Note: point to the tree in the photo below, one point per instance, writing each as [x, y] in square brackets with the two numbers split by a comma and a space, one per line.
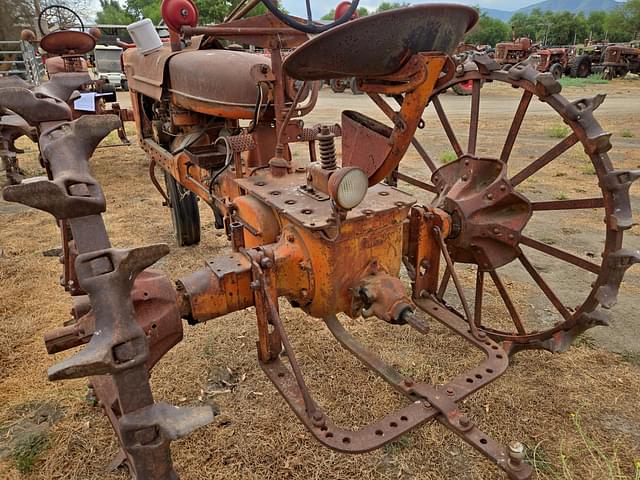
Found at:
[384, 6]
[488, 31]
[362, 12]
[113, 14]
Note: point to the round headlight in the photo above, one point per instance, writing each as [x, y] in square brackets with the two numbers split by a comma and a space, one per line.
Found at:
[348, 187]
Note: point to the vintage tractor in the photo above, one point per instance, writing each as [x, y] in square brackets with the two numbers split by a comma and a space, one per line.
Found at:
[553, 60]
[68, 81]
[586, 58]
[328, 234]
[509, 53]
[618, 60]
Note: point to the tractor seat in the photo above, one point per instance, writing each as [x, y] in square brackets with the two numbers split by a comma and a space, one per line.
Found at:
[217, 82]
[380, 44]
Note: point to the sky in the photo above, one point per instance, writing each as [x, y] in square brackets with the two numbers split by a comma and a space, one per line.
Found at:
[320, 7]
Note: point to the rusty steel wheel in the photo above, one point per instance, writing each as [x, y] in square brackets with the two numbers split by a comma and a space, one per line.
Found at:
[508, 233]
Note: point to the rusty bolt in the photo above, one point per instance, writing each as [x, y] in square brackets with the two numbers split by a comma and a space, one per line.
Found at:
[516, 454]
[317, 416]
[450, 391]
[290, 238]
[254, 285]
[496, 230]
[464, 421]
[490, 196]
[266, 262]
[304, 292]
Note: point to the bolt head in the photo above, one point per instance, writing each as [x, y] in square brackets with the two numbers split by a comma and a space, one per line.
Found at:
[266, 263]
[516, 450]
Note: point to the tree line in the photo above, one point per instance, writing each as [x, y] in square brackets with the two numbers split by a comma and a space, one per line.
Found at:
[562, 28]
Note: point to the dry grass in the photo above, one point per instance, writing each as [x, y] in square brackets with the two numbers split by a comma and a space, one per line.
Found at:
[576, 412]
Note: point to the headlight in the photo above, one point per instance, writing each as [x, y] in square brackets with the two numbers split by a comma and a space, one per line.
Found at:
[348, 187]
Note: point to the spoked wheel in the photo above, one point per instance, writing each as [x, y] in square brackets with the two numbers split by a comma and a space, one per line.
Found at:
[59, 17]
[525, 212]
[185, 214]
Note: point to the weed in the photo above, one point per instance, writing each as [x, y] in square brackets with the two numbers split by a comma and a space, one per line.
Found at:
[539, 459]
[395, 447]
[560, 174]
[25, 452]
[562, 196]
[626, 133]
[589, 169]
[448, 156]
[558, 131]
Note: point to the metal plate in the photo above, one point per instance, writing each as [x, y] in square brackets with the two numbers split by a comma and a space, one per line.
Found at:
[380, 44]
[284, 194]
[64, 42]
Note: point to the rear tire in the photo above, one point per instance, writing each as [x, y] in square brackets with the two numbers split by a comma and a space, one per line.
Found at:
[581, 66]
[185, 214]
[556, 70]
[463, 89]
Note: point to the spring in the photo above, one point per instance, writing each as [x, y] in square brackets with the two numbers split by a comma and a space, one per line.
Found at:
[327, 149]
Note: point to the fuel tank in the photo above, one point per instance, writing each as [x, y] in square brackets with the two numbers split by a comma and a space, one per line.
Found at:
[218, 82]
[214, 82]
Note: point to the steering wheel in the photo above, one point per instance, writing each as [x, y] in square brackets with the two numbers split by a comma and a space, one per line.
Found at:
[310, 26]
[58, 17]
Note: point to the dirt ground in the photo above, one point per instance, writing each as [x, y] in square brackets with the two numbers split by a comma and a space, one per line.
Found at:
[576, 412]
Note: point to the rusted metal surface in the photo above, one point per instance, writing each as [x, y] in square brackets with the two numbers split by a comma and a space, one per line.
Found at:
[64, 42]
[353, 49]
[289, 236]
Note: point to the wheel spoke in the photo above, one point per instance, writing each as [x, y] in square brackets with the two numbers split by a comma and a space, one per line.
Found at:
[475, 117]
[568, 204]
[515, 316]
[477, 314]
[415, 182]
[424, 155]
[561, 254]
[447, 126]
[546, 158]
[544, 287]
[515, 125]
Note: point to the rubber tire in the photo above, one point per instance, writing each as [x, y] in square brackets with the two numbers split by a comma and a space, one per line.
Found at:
[353, 85]
[556, 70]
[581, 66]
[185, 214]
[338, 85]
[460, 90]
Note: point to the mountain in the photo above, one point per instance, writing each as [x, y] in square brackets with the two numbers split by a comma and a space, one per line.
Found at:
[584, 6]
[499, 14]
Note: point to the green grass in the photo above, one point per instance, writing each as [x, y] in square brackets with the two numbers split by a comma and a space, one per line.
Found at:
[626, 133]
[24, 453]
[558, 131]
[562, 196]
[448, 156]
[582, 82]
